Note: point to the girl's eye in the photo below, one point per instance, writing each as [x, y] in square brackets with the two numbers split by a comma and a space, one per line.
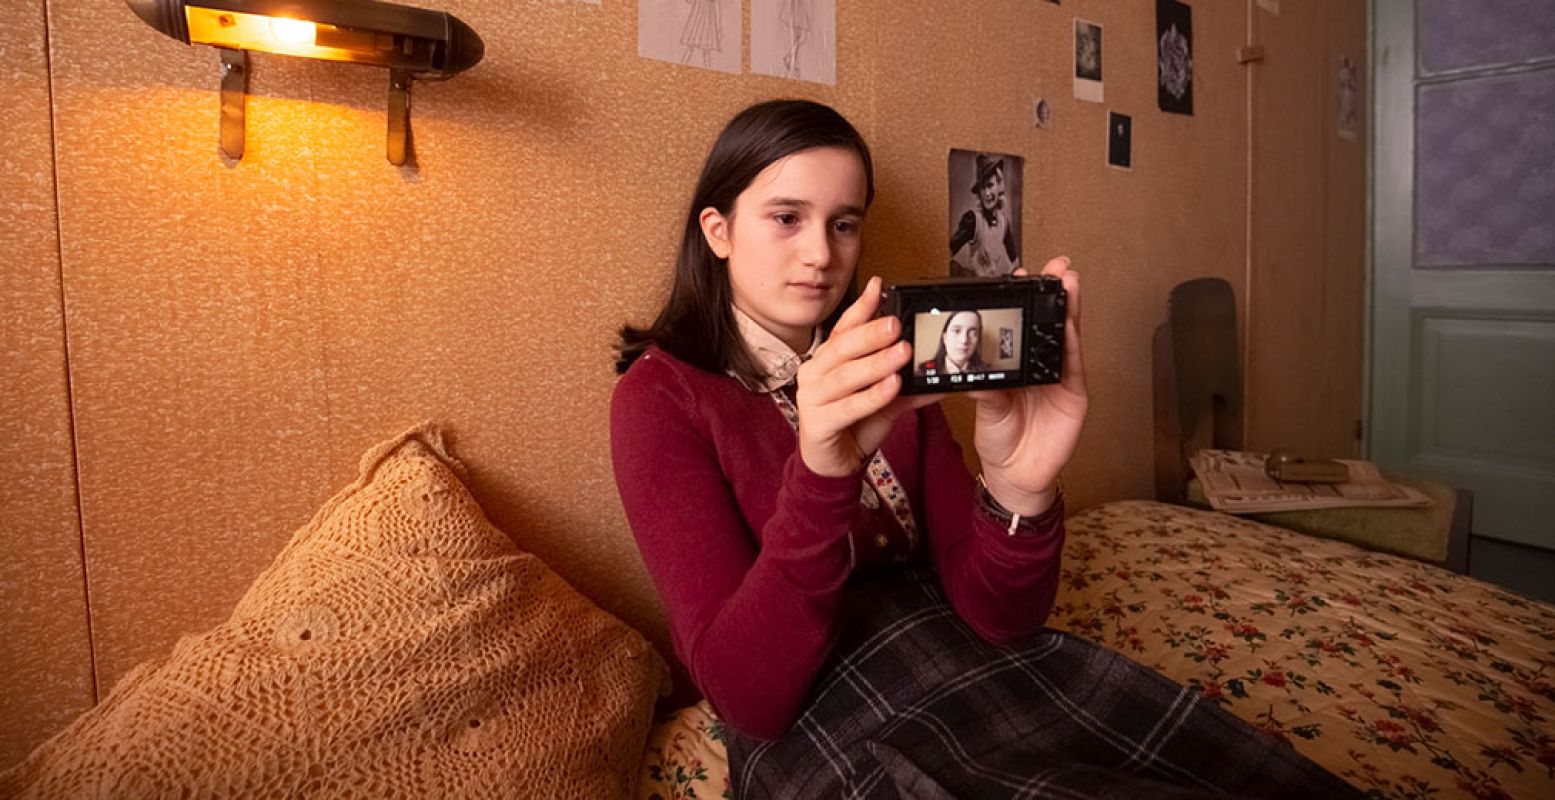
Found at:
[846, 226]
[786, 219]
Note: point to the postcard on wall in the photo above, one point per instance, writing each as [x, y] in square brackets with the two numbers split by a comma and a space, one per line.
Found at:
[697, 33]
[1174, 56]
[795, 39]
[1348, 99]
[1120, 140]
[1087, 61]
[985, 203]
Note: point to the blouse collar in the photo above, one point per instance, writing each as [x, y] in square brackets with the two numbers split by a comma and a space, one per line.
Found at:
[777, 360]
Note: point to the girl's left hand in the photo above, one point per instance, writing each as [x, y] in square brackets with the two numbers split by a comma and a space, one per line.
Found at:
[1025, 436]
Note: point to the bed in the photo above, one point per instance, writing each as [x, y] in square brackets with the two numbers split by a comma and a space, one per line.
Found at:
[401, 645]
[1403, 678]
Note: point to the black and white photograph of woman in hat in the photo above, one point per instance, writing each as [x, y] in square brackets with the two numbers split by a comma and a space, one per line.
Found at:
[985, 191]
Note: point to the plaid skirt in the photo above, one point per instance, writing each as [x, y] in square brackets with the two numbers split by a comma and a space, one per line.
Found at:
[913, 704]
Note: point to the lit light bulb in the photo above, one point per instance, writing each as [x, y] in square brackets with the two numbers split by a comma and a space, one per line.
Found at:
[295, 32]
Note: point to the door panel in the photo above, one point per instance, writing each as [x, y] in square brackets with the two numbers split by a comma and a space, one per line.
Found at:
[1462, 361]
[1464, 365]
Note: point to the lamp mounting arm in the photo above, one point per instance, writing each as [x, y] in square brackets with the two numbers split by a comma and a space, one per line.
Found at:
[399, 143]
[234, 101]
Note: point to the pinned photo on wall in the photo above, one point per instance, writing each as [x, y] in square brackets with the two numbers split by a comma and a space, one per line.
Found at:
[1042, 114]
[1087, 61]
[1174, 56]
[985, 203]
[697, 33]
[795, 39]
[1120, 140]
[1347, 98]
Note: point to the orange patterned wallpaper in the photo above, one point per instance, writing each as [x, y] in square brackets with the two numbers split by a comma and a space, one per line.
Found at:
[44, 651]
[239, 334]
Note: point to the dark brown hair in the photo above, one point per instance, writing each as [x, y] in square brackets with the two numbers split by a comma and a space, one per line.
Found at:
[977, 355]
[697, 324]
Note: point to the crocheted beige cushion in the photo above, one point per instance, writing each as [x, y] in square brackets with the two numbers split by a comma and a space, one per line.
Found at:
[399, 646]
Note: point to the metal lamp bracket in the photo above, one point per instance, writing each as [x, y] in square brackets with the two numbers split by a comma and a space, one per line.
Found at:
[234, 98]
[399, 142]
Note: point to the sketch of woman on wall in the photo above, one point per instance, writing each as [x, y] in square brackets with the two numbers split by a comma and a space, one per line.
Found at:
[795, 15]
[703, 31]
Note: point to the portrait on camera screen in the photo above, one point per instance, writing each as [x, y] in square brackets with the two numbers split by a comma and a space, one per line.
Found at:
[963, 347]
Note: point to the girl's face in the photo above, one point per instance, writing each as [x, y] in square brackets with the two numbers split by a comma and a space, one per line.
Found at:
[792, 240]
[963, 335]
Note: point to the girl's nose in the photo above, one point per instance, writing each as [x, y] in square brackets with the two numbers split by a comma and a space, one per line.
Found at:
[815, 248]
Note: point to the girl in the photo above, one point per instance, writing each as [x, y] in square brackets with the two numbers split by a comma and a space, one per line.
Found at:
[960, 346]
[863, 614]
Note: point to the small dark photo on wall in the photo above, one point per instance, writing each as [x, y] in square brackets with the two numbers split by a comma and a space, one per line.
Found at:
[1120, 136]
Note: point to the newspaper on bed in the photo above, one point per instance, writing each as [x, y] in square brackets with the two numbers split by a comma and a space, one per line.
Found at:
[1235, 482]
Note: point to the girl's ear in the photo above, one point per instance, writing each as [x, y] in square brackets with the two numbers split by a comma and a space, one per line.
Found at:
[715, 229]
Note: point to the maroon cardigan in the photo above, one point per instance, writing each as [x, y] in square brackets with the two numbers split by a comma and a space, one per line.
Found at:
[749, 549]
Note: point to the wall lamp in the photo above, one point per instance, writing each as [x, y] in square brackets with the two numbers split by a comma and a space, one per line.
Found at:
[411, 42]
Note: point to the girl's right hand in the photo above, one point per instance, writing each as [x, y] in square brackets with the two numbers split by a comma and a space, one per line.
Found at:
[848, 392]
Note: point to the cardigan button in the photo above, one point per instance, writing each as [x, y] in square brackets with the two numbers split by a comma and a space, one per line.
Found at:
[881, 540]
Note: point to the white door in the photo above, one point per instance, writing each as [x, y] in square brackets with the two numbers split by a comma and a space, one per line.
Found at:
[1462, 356]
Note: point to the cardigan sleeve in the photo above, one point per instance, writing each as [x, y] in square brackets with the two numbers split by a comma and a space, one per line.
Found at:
[1003, 586]
[752, 625]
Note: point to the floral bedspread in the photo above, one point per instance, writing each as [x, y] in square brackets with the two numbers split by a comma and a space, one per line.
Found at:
[1407, 680]
[686, 758]
[1403, 678]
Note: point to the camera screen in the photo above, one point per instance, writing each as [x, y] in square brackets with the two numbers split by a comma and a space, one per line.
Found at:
[963, 348]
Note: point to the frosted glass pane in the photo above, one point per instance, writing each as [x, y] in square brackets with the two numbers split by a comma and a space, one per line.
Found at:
[1485, 171]
[1466, 33]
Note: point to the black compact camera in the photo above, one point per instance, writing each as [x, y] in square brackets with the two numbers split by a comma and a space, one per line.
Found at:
[979, 333]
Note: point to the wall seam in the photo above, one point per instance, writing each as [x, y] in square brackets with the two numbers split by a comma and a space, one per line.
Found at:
[1250, 141]
[64, 316]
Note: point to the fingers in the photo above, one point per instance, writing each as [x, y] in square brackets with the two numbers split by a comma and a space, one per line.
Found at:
[850, 407]
[1074, 367]
[862, 310]
[858, 341]
[856, 363]
[1063, 269]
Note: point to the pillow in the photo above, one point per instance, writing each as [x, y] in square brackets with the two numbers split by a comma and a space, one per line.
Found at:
[398, 646]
